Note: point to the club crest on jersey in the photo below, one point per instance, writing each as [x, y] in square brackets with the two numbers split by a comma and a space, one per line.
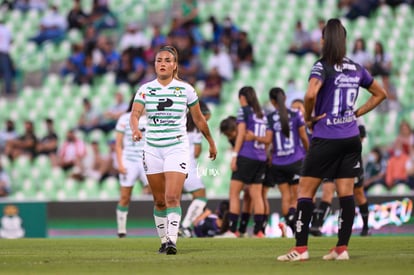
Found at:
[178, 91]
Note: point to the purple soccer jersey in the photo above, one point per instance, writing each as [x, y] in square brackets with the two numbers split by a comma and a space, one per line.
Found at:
[337, 98]
[252, 149]
[286, 150]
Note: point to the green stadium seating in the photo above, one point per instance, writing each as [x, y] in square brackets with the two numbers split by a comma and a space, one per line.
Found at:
[270, 26]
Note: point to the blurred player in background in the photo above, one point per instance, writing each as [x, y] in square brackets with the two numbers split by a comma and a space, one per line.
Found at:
[193, 183]
[248, 162]
[286, 131]
[130, 165]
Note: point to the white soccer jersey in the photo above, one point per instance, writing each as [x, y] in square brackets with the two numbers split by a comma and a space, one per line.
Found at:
[166, 108]
[195, 137]
[132, 151]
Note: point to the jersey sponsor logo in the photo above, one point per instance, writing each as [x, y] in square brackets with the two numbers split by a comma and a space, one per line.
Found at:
[164, 103]
[343, 80]
[345, 66]
[183, 165]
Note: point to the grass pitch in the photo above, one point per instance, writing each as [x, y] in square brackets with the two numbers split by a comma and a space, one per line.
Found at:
[371, 255]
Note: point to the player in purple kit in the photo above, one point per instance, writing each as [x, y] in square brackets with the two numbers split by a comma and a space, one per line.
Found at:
[287, 133]
[335, 148]
[248, 162]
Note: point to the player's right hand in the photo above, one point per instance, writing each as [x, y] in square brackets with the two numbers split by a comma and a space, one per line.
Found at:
[136, 135]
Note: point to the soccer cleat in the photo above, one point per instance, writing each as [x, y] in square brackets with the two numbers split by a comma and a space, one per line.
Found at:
[171, 248]
[163, 248]
[121, 235]
[259, 235]
[244, 235]
[228, 234]
[338, 253]
[365, 233]
[185, 232]
[295, 255]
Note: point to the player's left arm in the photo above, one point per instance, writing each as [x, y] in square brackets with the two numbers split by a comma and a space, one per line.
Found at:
[378, 94]
[202, 125]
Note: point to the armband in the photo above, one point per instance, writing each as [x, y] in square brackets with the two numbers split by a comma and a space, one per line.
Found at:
[234, 154]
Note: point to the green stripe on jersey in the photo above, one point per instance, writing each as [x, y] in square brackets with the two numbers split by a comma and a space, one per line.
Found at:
[165, 131]
[163, 125]
[163, 145]
[164, 138]
[194, 103]
[164, 95]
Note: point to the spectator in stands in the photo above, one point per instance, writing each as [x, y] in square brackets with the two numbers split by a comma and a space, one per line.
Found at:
[190, 63]
[217, 31]
[293, 92]
[158, 40]
[76, 17]
[52, 27]
[89, 118]
[190, 20]
[133, 38]
[22, 5]
[316, 36]
[90, 39]
[301, 43]
[360, 54]
[132, 67]
[48, 145]
[72, 152]
[405, 138]
[374, 171]
[7, 134]
[6, 63]
[75, 63]
[194, 67]
[221, 60]
[125, 72]
[110, 58]
[229, 28]
[111, 115]
[212, 88]
[245, 58]
[149, 75]
[5, 183]
[382, 65]
[397, 167]
[352, 9]
[95, 164]
[101, 17]
[24, 144]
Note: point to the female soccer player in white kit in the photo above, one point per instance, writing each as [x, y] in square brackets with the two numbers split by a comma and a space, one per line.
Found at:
[193, 183]
[166, 101]
[130, 165]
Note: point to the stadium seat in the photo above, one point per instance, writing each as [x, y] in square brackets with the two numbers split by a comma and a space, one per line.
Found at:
[377, 190]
